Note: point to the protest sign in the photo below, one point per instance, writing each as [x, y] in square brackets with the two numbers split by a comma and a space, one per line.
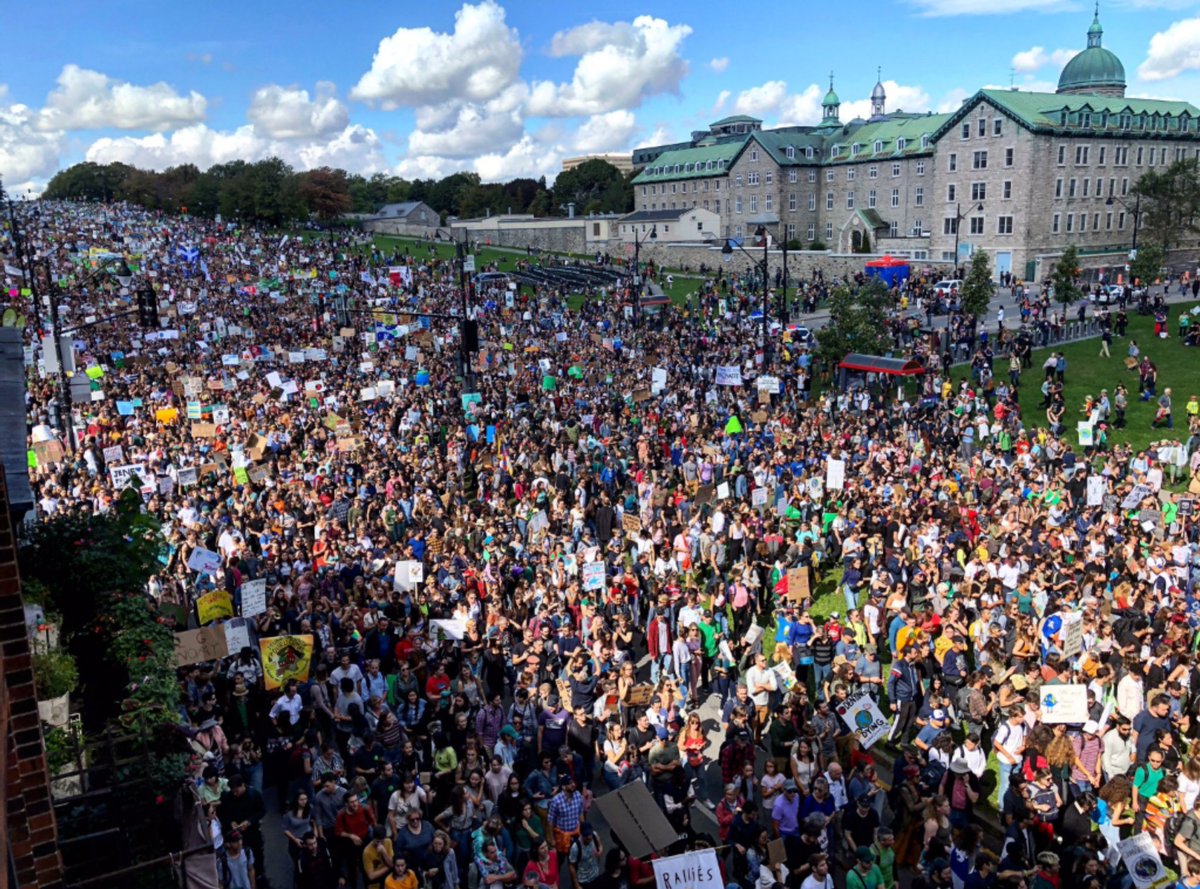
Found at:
[797, 584]
[214, 606]
[1071, 634]
[205, 561]
[1135, 497]
[285, 658]
[254, 597]
[1097, 487]
[691, 870]
[835, 474]
[767, 384]
[1064, 703]
[637, 820]
[408, 575]
[455, 629]
[123, 476]
[1142, 861]
[729, 375]
[198, 646]
[862, 716]
[631, 522]
[237, 634]
[758, 497]
[593, 576]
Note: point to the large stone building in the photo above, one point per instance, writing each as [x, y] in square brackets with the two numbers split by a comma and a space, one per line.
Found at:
[1021, 175]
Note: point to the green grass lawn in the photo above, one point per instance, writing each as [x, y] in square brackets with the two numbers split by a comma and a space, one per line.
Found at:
[1088, 373]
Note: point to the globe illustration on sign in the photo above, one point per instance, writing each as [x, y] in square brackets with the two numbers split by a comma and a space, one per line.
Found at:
[862, 719]
[1049, 701]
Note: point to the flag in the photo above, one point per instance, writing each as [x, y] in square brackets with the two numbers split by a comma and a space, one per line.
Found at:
[188, 253]
[284, 658]
[204, 269]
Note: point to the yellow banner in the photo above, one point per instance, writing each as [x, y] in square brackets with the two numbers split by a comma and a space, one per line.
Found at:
[284, 658]
[214, 606]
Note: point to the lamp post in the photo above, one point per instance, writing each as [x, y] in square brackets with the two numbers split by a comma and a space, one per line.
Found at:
[959, 216]
[727, 256]
[637, 274]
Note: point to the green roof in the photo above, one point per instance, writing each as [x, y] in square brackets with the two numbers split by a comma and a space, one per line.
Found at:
[831, 99]
[881, 140]
[1094, 67]
[1043, 112]
[735, 118]
[692, 163]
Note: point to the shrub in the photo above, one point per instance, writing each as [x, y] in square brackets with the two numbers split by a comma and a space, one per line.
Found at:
[54, 674]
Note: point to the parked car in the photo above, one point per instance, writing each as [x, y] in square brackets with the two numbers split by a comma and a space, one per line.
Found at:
[943, 288]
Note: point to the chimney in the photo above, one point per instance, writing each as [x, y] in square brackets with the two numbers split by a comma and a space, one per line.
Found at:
[571, 210]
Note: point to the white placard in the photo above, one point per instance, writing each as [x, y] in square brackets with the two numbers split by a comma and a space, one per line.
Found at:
[114, 454]
[123, 476]
[723, 491]
[1064, 703]
[254, 598]
[1097, 487]
[767, 384]
[237, 634]
[593, 576]
[1071, 634]
[691, 870]
[1142, 861]
[408, 575]
[729, 375]
[205, 561]
[863, 717]
[758, 497]
[658, 379]
[454, 629]
[1135, 497]
[835, 475]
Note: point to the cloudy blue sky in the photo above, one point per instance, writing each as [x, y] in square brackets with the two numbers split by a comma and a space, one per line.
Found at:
[511, 88]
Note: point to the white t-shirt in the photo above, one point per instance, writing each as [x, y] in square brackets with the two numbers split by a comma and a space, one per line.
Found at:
[756, 677]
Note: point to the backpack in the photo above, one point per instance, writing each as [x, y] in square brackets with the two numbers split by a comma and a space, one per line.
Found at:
[959, 801]
[962, 702]
[932, 773]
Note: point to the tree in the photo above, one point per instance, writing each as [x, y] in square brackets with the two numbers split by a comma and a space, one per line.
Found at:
[325, 192]
[595, 186]
[857, 323]
[1144, 268]
[1169, 202]
[977, 288]
[1062, 277]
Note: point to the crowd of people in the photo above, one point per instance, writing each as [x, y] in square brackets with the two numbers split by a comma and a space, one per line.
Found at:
[617, 555]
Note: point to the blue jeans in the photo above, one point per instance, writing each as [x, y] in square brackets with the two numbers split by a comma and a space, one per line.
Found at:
[661, 664]
[851, 598]
[820, 674]
[1004, 772]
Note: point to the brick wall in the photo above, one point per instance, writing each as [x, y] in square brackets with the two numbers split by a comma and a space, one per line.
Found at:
[32, 831]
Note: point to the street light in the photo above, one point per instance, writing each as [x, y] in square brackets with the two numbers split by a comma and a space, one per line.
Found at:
[637, 276]
[727, 256]
[1137, 216]
[959, 216]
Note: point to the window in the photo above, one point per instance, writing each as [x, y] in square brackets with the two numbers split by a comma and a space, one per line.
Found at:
[1006, 190]
[791, 152]
[920, 168]
[753, 155]
[808, 152]
[792, 201]
[873, 171]
[919, 197]
[753, 203]
[895, 170]
[643, 191]
[829, 200]
[752, 178]
[1112, 187]
[1055, 223]
[812, 175]
[854, 149]
[895, 197]
[737, 204]
[1004, 225]
[978, 191]
[871, 199]
[1095, 222]
[850, 175]
[829, 175]
[979, 160]
[1081, 155]
[789, 231]
[812, 231]
[918, 228]
[717, 206]
[793, 175]
[1099, 186]
[1121, 221]
[1086, 182]
[1108, 221]
[1102, 151]
[893, 229]
[1139, 156]
[1082, 222]
[768, 202]
[878, 146]
[829, 231]
[1062, 155]
[951, 192]
[770, 178]
[812, 200]
[901, 144]
[949, 226]
[849, 200]
[1124, 186]
[1008, 157]
[952, 162]
[673, 186]
[1070, 222]
[982, 126]
[965, 131]
[976, 225]
[717, 185]
[998, 127]
[1071, 189]
[737, 180]
[925, 140]
[1085, 119]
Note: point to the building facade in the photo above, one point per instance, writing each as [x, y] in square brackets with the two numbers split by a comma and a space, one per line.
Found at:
[1018, 174]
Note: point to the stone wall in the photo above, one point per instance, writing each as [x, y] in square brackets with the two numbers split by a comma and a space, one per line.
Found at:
[32, 829]
[398, 227]
[551, 238]
[802, 264]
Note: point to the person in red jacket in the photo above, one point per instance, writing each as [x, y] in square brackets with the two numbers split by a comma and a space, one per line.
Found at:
[352, 830]
[658, 639]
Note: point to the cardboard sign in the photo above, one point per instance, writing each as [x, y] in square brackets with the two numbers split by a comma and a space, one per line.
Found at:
[258, 473]
[691, 870]
[1071, 634]
[204, 430]
[1143, 862]
[237, 634]
[49, 452]
[1186, 507]
[212, 606]
[631, 523]
[863, 717]
[408, 575]
[205, 561]
[797, 584]
[1064, 703]
[636, 819]
[640, 695]
[186, 477]
[254, 597]
[198, 646]
[123, 476]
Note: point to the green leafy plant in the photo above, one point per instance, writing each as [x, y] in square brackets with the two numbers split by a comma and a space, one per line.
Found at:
[977, 288]
[1144, 269]
[64, 744]
[54, 674]
[817, 245]
[1062, 277]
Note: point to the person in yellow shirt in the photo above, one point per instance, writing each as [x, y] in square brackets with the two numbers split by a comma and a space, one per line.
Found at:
[377, 858]
[401, 876]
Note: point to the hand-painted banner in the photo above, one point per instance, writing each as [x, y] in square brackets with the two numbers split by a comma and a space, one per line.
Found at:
[285, 658]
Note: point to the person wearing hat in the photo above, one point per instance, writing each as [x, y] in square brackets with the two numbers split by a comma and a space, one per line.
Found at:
[1047, 876]
[865, 874]
[565, 814]
[236, 864]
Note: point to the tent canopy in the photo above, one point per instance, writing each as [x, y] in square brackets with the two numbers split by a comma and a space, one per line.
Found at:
[886, 262]
[893, 367]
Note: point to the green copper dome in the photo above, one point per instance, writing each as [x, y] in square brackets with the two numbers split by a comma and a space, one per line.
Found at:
[831, 98]
[1096, 70]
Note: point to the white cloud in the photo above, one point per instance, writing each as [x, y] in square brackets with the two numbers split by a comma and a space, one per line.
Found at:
[953, 100]
[89, 100]
[774, 103]
[722, 98]
[606, 132]
[802, 108]
[356, 149]
[468, 129]
[761, 100]
[281, 113]
[26, 153]
[1172, 51]
[620, 65]
[933, 8]
[662, 135]
[719, 64]
[529, 157]
[1037, 57]
[426, 167]
[418, 66]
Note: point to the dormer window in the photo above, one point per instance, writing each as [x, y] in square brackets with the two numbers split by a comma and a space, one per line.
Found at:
[1085, 119]
[808, 152]
[753, 155]
[900, 143]
[791, 152]
[854, 149]
[878, 145]
[833, 152]
[925, 140]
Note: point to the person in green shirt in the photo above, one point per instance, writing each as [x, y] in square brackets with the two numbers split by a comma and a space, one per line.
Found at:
[709, 635]
[884, 849]
[865, 874]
